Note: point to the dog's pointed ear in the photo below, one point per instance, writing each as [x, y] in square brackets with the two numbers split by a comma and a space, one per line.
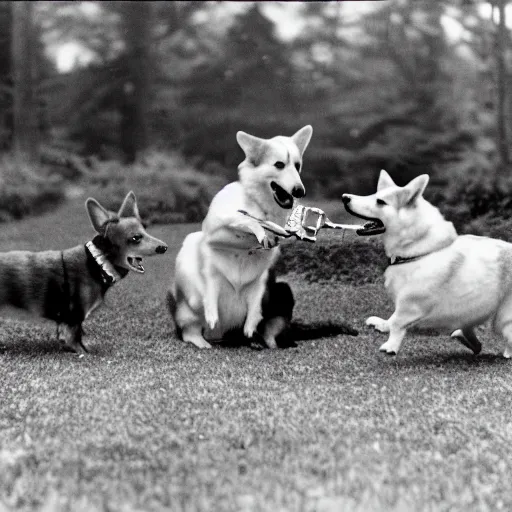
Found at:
[385, 180]
[252, 146]
[302, 138]
[97, 214]
[129, 207]
[415, 188]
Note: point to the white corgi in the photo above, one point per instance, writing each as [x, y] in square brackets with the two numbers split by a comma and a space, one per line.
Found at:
[435, 277]
[222, 272]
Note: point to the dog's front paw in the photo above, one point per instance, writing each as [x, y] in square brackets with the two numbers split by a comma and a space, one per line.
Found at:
[250, 328]
[389, 348]
[270, 241]
[260, 233]
[266, 240]
[507, 353]
[377, 323]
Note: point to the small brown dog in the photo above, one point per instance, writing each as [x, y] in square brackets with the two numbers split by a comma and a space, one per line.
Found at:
[67, 286]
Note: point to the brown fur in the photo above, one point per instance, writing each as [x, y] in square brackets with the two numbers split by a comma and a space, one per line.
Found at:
[66, 286]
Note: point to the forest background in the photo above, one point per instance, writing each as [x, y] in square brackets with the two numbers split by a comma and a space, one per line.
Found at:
[151, 94]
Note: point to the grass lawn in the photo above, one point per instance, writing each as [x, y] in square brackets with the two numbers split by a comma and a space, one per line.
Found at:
[146, 422]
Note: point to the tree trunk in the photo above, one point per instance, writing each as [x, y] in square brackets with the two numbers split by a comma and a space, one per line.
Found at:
[25, 133]
[431, 76]
[134, 129]
[502, 80]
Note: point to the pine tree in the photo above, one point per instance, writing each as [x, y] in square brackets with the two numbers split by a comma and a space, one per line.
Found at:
[5, 76]
[501, 48]
[25, 122]
[136, 20]
[250, 87]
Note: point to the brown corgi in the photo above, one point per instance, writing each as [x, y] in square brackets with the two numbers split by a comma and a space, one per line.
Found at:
[67, 286]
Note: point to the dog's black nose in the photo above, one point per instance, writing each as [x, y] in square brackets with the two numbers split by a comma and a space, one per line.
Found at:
[345, 199]
[299, 192]
[161, 249]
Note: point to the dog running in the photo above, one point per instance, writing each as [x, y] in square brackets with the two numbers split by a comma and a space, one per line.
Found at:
[435, 277]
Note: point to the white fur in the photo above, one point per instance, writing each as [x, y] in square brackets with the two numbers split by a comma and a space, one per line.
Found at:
[460, 283]
[221, 271]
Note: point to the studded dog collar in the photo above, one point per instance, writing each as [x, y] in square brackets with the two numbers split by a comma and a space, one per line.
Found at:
[109, 274]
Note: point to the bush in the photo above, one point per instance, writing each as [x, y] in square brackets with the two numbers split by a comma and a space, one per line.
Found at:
[24, 192]
[489, 225]
[475, 190]
[360, 260]
[167, 190]
[482, 194]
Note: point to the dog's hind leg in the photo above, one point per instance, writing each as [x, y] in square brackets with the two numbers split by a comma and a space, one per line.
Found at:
[72, 338]
[193, 334]
[188, 325]
[277, 309]
[272, 329]
[503, 324]
[468, 338]
[506, 331]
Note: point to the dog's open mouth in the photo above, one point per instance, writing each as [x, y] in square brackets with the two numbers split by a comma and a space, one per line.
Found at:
[372, 227]
[135, 264]
[283, 198]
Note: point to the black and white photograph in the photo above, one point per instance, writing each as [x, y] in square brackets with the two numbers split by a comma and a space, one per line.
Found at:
[255, 256]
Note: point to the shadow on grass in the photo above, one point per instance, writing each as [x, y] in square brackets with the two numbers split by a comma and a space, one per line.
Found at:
[302, 332]
[449, 360]
[30, 347]
[40, 347]
[297, 332]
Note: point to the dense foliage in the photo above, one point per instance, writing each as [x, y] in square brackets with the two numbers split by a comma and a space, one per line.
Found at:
[167, 189]
[24, 192]
[390, 87]
[411, 87]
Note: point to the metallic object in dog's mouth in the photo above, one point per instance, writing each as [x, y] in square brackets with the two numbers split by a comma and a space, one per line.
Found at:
[304, 223]
[372, 226]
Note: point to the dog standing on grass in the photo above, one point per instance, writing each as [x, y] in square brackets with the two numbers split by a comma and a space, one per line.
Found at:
[224, 277]
[67, 286]
[435, 277]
